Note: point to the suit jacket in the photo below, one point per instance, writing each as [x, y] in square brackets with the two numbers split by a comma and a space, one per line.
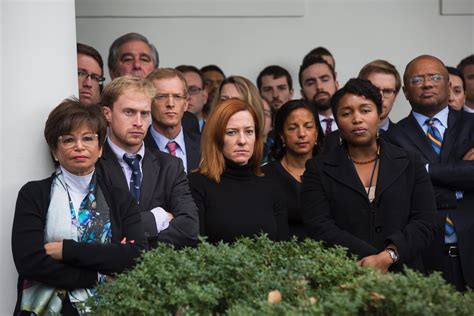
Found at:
[336, 209]
[165, 185]
[81, 261]
[190, 123]
[448, 173]
[192, 141]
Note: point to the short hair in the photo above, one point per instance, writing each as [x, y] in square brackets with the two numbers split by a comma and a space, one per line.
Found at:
[249, 93]
[278, 150]
[277, 72]
[313, 60]
[469, 60]
[319, 51]
[91, 52]
[383, 67]
[212, 163]
[117, 87]
[130, 37]
[405, 73]
[189, 68]
[212, 68]
[359, 87]
[168, 73]
[456, 72]
[69, 115]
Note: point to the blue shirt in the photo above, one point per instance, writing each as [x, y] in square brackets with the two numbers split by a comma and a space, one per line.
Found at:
[162, 141]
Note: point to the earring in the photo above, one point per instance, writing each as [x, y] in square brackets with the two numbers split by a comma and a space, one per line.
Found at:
[378, 135]
[341, 140]
[284, 145]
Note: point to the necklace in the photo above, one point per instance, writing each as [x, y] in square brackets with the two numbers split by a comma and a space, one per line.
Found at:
[364, 162]
[293, 173]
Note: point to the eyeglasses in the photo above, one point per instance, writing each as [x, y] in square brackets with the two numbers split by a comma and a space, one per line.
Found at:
[69, 141]
[84, 75]
[160, 97]
[419, 80]
[193, 90]
[387, 93]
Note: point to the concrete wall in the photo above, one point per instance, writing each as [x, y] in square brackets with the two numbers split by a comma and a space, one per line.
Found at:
[38, 70]
[247, 39]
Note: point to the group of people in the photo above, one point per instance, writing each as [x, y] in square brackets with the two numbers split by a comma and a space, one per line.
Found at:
[164, 155]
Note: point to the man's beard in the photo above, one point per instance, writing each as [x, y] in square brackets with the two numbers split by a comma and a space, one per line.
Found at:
[320, 106]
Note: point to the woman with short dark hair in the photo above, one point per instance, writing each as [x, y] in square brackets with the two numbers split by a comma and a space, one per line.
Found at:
[234, 198]
[69, 230]
[367, 195]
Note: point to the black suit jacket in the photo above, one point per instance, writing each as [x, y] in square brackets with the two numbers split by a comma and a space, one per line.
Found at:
[336, 208]
[449, 173]
[165, 185]
[192, 141]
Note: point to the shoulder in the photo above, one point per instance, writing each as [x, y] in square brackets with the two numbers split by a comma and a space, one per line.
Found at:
[163, 159]
[38, 186]
[197, 178]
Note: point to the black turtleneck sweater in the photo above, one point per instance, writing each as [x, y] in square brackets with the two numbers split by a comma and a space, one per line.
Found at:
[242, 204]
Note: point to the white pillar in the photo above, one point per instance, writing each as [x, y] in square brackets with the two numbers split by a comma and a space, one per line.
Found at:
[38, 55]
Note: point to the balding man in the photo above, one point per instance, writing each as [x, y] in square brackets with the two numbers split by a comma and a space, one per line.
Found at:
[444, 138]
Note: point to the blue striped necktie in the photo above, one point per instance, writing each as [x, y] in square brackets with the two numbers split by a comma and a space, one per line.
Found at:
[436, 141]
[133, 161]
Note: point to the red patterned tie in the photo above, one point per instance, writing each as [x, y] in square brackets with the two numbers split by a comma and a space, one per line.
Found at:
[171, 146]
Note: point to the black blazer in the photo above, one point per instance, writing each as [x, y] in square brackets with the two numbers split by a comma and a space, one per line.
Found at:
[164, 185]
[336, 208]
[448, 173]
[81, 261]
[192, 141]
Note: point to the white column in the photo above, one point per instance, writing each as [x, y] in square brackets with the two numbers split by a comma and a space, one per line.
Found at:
[38, 55]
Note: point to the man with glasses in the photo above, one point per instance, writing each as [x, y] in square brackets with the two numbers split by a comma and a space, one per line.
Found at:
[444, 138]
[166, 132]
[90, 69]
[386, 78]
[197, 95]
[156, 180]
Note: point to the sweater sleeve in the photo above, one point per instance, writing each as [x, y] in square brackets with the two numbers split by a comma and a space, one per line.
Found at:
[29, 254]
[119, 255]
[280, 211]
[197, 185]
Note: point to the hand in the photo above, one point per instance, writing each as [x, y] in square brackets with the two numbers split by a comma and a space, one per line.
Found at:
[380, 261]
[469, 155]
[170, 216]
[54, 249]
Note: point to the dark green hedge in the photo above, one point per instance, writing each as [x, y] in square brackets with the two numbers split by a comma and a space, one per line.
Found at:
[236, 279]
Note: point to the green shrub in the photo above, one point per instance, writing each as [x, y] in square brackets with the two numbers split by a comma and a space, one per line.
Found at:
[236, 279]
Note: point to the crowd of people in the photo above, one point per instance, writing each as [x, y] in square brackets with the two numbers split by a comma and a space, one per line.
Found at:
[165, 155]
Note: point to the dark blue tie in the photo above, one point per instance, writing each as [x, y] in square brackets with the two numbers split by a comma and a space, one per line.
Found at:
[133, 161]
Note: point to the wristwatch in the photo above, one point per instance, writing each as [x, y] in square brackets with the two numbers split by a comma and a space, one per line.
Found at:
[393, 254]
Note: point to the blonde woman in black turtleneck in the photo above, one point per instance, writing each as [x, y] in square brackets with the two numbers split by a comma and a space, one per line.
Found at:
[233, 196]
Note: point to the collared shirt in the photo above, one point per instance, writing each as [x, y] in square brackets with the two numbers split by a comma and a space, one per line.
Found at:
[385, 125]
[323, 123]
[162, 141]
[201, 122]
[119, 152]
[467, 109]
[441, 124]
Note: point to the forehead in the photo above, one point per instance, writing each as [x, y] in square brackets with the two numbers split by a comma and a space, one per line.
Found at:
[169, 85]
[426, 65]
[134, 47]
[229, 89]
[271, 80]
[193, 79]
[350, 100]
[213, 75]
[88, 63]
[299, 114]
[317, 70]
[455, 80]
[240, 119]
[382, 80]
[133, 98]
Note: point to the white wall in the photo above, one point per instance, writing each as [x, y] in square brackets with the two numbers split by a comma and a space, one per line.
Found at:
[38, 71]
[356, 32]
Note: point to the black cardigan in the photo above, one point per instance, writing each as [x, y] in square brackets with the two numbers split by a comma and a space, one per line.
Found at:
[81, 262]
[242, 204]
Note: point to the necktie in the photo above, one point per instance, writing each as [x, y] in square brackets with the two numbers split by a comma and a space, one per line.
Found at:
[328, 125]
[436, 141]
[171, 146]
[133, 161]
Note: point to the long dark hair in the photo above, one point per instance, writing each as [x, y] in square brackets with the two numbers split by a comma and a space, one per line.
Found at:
[278, 150]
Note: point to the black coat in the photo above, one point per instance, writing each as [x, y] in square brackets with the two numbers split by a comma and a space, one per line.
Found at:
[336, 208]
[81, 261]
[448, 173]
[164, 185]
